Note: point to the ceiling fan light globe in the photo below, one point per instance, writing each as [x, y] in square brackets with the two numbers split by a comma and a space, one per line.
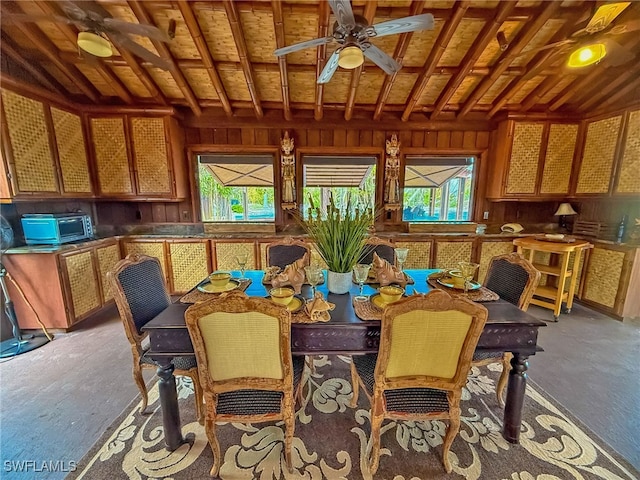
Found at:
[94, 44]
[351, 57]
[587, 55]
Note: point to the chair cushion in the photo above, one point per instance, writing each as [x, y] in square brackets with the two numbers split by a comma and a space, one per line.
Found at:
[385, 252]
[508, 280]
[257, 402]
[479, 356]
[283, 255]
[409, 400]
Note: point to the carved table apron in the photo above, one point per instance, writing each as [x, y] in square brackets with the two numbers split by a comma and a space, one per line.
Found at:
[508, 329]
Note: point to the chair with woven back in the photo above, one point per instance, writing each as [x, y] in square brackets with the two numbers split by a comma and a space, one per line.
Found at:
[384, 249]
[140, 293]
[285, 252]
[243, 349]
[514, 279]
[426, 346]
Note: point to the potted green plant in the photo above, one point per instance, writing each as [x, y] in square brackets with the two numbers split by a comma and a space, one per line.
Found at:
[340, 238]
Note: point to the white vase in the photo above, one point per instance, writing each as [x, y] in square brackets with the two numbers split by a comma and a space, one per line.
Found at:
[338, 282]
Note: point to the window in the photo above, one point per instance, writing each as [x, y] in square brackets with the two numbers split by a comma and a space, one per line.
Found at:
[236, 188]
[437, 189]
[339, 176]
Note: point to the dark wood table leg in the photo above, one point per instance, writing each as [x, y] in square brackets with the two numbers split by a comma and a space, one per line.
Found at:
[515, 397]
[169, 404]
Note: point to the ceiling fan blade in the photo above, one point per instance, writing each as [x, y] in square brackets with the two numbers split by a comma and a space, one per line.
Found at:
[605, 14]
[330, 68]
[121, 40]
[343, 12]
[141, 29]
[73, 11]
[403, 25]
[302, 45]
[384, 61]
[510, 57]
[626, 27]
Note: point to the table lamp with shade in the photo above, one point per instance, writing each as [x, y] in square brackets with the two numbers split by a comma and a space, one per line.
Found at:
[563, 210]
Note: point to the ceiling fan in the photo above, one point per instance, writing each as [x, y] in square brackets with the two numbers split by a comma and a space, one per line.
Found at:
[97, 27]
[592, 43]
[352, 33]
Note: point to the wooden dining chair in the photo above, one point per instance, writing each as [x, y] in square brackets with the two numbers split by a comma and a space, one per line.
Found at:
[426, 346]
[285, 252]
[243, 349]
[384, 249]
[514, 279]
[140, 292]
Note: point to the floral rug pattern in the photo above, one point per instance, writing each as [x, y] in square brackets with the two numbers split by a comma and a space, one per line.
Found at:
[332, 440]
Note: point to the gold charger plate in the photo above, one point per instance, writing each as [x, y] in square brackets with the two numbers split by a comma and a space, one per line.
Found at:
[295, 305]
[209, 288]
[448, 282]
[376, 299]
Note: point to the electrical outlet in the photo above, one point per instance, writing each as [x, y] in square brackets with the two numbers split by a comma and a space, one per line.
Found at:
[185, 215]
[485, 216]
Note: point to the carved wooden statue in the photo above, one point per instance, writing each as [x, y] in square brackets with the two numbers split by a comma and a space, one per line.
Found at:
[288, 164]
[385, 273]
[318, 308]
[391, 175]
[293, 274]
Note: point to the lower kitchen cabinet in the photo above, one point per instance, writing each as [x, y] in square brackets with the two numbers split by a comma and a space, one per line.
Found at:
[61, 287]
[189, 263]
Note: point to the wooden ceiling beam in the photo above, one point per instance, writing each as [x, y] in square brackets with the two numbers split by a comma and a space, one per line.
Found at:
[369, 14]
[38, 73]
[487, 34]
[606, 89]
[576, 88]
[437, 50]
[321, 57]
[71, 34]
[164, 52]
[540, 91]
[401, 50]
[149, 83]
[203, 49]
[278, 25]
[522, 40]
[621, 94]
[47, 47]
[233, 15]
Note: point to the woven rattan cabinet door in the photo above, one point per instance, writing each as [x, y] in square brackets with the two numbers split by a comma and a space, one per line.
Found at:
[419, 255]
[488, 250]
[72, 152]
[602, 277]
[29, 155]
[598, 156]
[629, 177]
[558, 159]
[189, 264]
[111, 156]
[225, 254]
[525, 155]
[152, 249]
[449, 254]
[83, 292]
[151, 157]
[107, 257]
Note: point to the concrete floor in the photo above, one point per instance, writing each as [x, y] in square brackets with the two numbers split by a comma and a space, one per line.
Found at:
[56, 401]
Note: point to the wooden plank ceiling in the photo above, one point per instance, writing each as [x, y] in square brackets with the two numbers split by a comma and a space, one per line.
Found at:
[222, 60]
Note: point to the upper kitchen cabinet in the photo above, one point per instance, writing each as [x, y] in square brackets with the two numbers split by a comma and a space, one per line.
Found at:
[599, 156]
[138, 157]
[628, 178]
[532, 159]
[44, 150]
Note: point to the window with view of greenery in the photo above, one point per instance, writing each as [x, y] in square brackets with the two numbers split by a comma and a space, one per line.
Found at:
[338, 176]
[236, 188]
[438, 189]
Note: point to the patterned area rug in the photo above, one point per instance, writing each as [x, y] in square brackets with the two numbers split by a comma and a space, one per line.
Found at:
[331, 441]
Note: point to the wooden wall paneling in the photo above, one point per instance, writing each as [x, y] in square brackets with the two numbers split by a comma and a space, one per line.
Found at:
[405, 138]
[193, 137]
[261, 136]
[158, 213]
[444, 139]
[219, 136]
[339, 137]
[380, 138]
[417, 138]
[431, 139]
[248, 136]
[468, 139]
[457, 139]
[482, 139]
[326, 137]
[366, 138]
[353, 138]
[313, 138]
[234, 136]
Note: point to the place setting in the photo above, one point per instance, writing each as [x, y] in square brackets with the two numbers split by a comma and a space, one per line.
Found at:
[217, 283]
[459, 283]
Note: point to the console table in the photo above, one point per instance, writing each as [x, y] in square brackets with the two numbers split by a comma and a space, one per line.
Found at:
[561, 271]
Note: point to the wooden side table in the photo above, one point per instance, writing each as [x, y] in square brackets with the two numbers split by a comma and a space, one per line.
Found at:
[549, 296]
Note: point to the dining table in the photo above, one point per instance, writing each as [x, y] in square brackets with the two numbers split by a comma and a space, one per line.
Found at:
[508, 329]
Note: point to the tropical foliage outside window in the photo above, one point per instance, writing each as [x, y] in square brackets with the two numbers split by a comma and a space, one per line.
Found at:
[446, 194]
[222, 203]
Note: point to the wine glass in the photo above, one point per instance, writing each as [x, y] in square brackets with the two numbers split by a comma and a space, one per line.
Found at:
[360, 273]
[314, 277]
[467, 269]
[242, 259]
[401, 255]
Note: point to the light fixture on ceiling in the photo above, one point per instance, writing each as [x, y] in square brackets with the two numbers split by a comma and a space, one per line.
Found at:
[94, 44]
[587, 55]
[351, 57]
[502, 40]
